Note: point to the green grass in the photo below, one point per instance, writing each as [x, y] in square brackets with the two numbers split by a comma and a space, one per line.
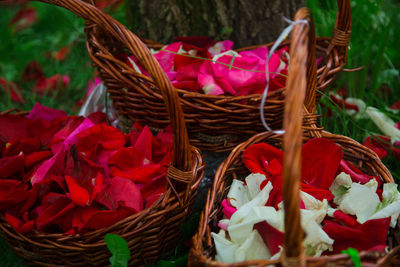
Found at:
[374, 45]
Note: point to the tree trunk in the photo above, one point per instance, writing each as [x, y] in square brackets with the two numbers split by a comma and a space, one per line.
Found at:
[246, 22]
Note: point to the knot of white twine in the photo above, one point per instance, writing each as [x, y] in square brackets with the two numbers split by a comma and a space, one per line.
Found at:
[278, 41]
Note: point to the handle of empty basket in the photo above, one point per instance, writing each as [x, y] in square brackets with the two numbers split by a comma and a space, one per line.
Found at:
[336, 55]
[182, 153]
[292, 141]
[338, 46]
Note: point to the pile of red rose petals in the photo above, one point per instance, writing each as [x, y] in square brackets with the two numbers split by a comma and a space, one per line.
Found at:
[199, 64]
[70, 174]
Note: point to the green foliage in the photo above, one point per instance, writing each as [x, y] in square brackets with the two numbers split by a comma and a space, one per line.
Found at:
[353, 253]
[373, 45]
[119, 250]
[7, 257]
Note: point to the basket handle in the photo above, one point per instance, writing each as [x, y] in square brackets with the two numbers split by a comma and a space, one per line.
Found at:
[182, 153]
[338, 46]
[342, 30]
[292, 140]
[340, 40]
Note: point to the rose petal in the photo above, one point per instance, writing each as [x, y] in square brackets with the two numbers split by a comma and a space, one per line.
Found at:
[12, 90]
[360, 200]
[238, 194]
[42, 112]
[18, 225]
[257, 157]
[320, 161]
[121, 192]
[78, 194]
[24, 18]
[10, 166]
[227, 209]
[372, 233]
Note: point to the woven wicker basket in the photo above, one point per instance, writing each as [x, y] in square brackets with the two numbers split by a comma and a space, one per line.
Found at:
[203, 250]
[210, 119]
[151, 233]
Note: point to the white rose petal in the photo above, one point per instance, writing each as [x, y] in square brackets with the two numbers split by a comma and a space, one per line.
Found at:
[390, 206]
[258, 200]
[238, 194]
[390, 193]
[316, 241]
[340, 186]
[253, 248]
[360, 114]
[226, 250]
[253, 182]
[135, 66]
[226, 53]
[361, 201]
[240, 231]
[392, 210]
[384, 123]
[372, 185]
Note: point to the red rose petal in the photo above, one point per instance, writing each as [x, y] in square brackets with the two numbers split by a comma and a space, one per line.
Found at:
[257, 157]
[12, 90]
[42, 112]
[31, 199]
[24, 18]
[53, 211]
[78, 194]
[10, 166]
[371, 234]
[121, 192]
[53, 83]
[345, 219]
[320, 162]
[24, 145]
[318, 193]
[36, 157]
[32, 72]
[271, 236]
[139, 174]
[12, 192]
[356, 175]
[13, 127]
[153, 190]
[18, 225]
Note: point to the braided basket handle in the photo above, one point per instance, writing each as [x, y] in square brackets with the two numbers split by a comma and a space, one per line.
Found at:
[342, 30]
[182, 155]
[340, 38]
[292, 141]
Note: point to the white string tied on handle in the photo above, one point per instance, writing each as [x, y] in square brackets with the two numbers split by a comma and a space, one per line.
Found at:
[281, 38]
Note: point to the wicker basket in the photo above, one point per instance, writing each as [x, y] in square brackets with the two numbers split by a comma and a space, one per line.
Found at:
[151, 233]
[203, 250]
[210, 119]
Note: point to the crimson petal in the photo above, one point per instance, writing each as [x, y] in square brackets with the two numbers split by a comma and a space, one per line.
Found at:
[18, 225]
[369, 235]
[42, 112]
[78, 194]
[272, 237]
[257, 157]
[320, 162]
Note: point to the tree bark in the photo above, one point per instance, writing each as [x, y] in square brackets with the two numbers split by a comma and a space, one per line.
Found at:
[246, 22]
